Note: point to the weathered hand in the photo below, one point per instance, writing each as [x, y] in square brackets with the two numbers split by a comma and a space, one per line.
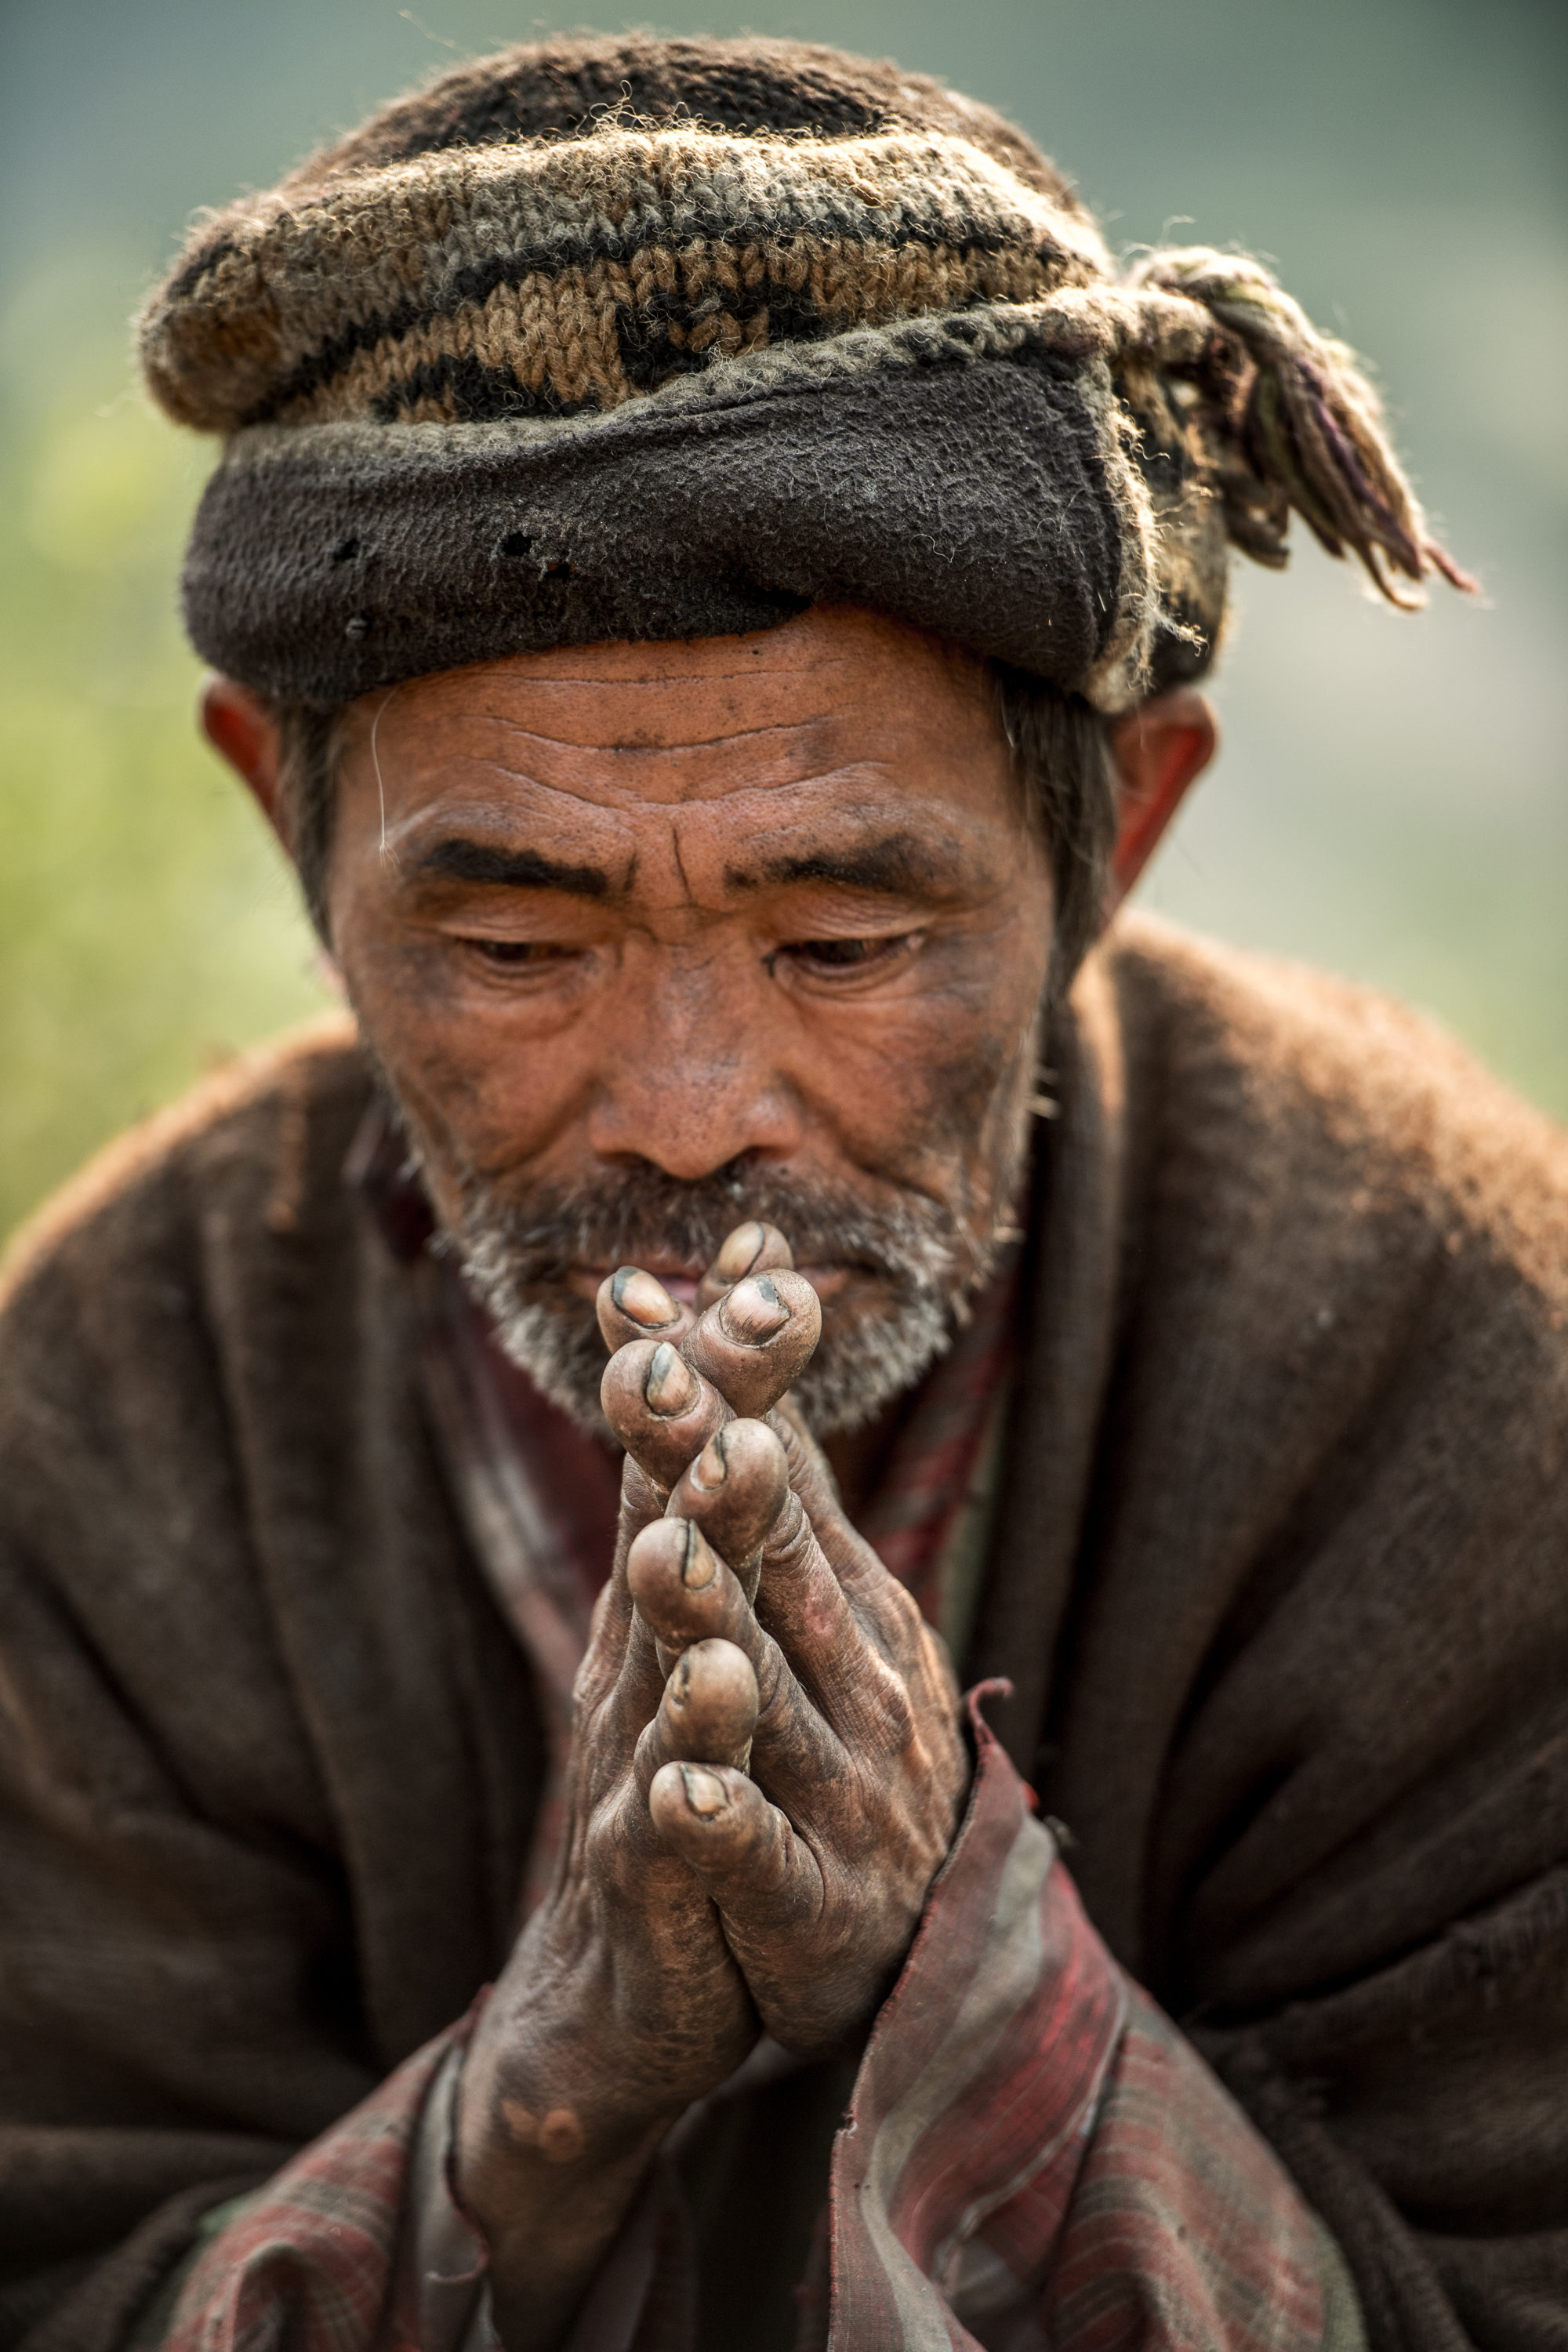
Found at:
[819, 1861]
[622, 2002]
[695, 1900]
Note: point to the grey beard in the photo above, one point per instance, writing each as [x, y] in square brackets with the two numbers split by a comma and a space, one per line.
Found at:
[515, 1259]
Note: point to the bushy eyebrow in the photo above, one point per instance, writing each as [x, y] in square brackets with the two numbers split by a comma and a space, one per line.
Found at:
[458, 860]
[899, 865]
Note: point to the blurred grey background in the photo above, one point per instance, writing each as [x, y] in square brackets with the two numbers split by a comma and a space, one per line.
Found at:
[1390, 798]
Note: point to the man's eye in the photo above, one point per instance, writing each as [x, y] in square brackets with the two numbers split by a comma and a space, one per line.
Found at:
[847, 955]
[518, 951]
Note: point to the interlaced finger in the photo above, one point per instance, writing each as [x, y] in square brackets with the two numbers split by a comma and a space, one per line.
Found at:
[743, 1849]
[707, 1714]
[757, 1338]
[854, 1561]
[685, 1595]
[734, 1491]
[881, 1607]
[662, 1411]
[852, 1681]
[672, 1382]
[753, 1248]
[633, 1305]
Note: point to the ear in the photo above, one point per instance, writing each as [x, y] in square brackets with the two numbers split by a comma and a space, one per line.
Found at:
[1159, 749]
[241, 729]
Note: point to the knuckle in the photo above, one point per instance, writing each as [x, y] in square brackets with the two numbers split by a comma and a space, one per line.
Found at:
[897, 1714]
[790, 1539]
[641, 1500]
[775, 1683]
[651, 1751]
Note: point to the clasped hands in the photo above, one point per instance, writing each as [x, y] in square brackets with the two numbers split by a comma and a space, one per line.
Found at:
[767, 1772]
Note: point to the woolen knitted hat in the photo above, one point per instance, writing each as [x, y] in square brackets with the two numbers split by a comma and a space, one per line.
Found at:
[631, 337]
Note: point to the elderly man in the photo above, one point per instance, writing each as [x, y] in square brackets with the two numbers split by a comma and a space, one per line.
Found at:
[706, 577]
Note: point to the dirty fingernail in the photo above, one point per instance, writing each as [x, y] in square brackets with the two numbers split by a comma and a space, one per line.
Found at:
[641, 1296]
[672, 1384]
[711, 1467]
[754, 1311]
[705, 1792]
[741, 1250]
[698, 1565]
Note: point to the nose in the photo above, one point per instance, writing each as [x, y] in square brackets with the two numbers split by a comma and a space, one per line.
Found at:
[690, 1078]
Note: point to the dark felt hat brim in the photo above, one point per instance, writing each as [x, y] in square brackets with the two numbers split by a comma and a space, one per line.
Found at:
[973, 496]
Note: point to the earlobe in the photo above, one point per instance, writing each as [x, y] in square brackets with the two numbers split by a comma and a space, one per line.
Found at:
[242, 730]
[1159, 749]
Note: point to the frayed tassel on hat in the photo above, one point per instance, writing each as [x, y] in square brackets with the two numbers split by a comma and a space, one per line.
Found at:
[1297, 424]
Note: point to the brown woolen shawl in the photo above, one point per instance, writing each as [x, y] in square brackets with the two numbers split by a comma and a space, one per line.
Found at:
[1280, 1582]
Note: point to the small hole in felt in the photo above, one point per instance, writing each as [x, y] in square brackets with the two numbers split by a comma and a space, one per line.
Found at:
[516, 545]
[345, 550]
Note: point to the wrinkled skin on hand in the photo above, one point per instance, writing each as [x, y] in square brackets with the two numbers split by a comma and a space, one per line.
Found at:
[766, 1773]
[819, 1860]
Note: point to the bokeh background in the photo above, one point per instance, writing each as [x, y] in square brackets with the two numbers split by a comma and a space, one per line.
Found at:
[1390, 797]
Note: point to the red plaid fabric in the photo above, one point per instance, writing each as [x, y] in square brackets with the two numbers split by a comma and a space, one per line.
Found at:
[311, 2262]
[1034, 2156]
[911, 1518]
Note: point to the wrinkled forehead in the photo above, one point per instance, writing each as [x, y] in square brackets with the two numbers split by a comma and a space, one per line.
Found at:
[837, 693]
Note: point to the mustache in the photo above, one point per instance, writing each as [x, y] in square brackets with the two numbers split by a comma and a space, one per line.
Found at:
[623, 1218]
[515, 1257]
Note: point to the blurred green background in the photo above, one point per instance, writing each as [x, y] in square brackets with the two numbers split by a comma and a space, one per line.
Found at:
[1390, 798]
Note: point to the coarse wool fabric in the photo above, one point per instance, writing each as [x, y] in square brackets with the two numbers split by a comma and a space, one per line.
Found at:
[1278, 1579]
[625, 339]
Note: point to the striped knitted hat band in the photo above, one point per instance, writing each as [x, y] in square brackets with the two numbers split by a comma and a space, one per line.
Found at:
[507, 371]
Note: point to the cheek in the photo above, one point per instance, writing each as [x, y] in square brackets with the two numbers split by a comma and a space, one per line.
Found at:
[967, 1115]
[403, 1006]
[477, 1094]
[944, 1071]
[961, 1089]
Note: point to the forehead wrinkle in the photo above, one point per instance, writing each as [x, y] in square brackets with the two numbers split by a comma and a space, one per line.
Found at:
[495, 814]
[814, 721]
[618, 796]
[795, 830]
[502, 829]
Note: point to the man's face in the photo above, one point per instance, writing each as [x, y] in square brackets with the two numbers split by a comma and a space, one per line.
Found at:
[650, 939]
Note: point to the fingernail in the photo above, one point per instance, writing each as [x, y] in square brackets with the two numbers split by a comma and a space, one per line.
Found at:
[672, 1384]
[711, 1466]
[752, 1311]
[641, 1296]
[740, 1252]
[698, 1565]
[705, 1793]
